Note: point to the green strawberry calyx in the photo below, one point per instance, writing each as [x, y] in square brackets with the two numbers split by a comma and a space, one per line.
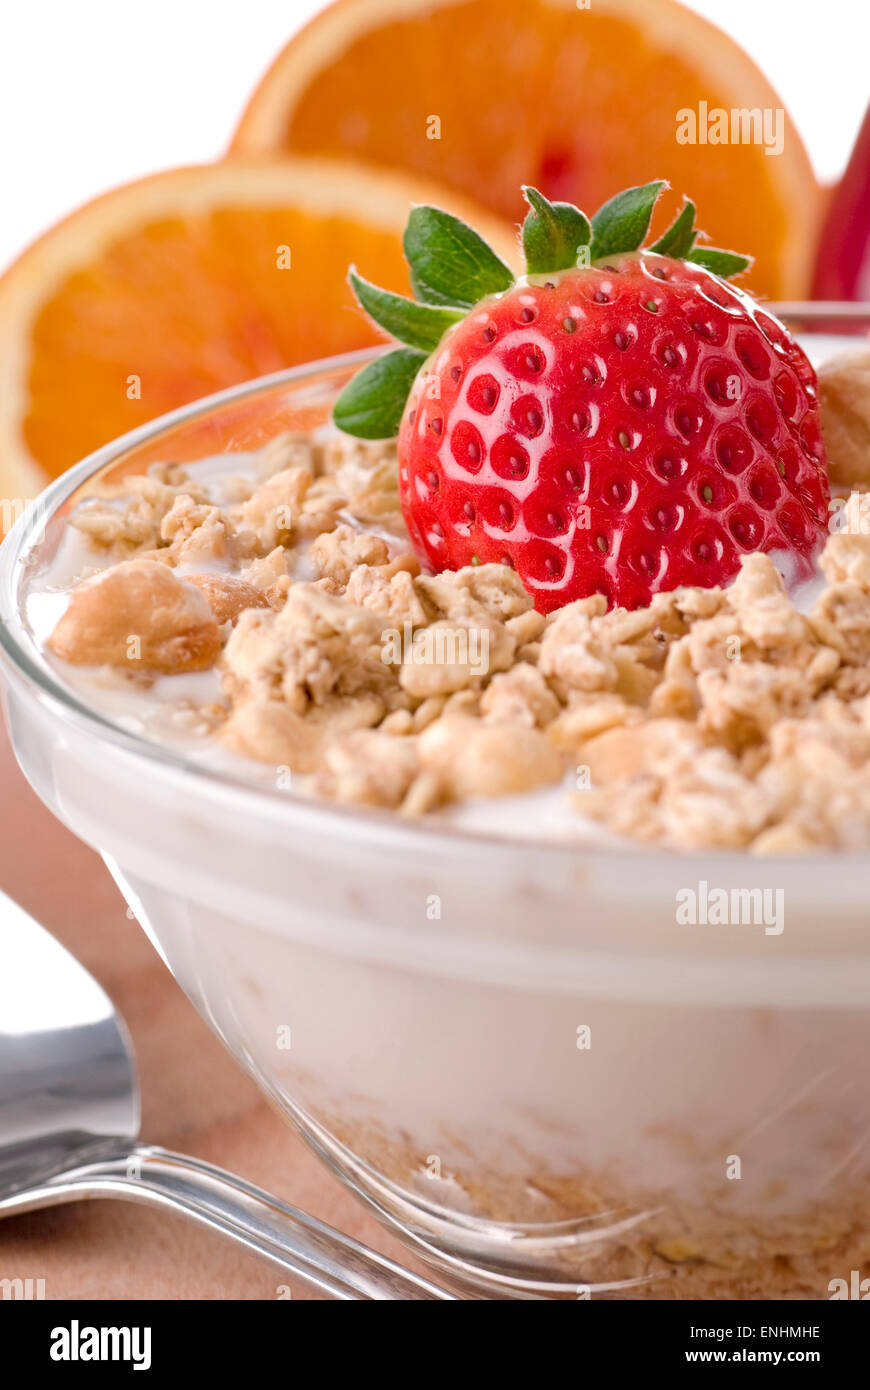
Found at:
[452, 268]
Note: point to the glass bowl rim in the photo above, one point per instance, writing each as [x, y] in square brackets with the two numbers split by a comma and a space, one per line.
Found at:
[24, 536]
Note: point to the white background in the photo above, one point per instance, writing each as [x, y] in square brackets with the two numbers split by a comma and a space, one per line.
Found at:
[97, 92]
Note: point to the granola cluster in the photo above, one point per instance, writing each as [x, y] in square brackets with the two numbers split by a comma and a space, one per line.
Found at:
[712, 718]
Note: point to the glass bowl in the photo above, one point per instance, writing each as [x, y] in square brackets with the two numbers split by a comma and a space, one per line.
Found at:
[546, 1086]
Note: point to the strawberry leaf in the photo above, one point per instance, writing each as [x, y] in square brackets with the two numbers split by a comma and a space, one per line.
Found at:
[553, 234]
[679, 239]
[419, 325]
[721, 263]
[623, 222]
[371, 405]
[449, 263]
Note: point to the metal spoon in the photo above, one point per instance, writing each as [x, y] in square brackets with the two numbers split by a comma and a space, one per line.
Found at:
[69, 1121]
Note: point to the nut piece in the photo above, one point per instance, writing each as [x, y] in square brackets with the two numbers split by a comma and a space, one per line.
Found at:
[616, 753]
[336, 554]
[228, 597]
[370, 768]
[138, 616]
[844, 398]
[470, 758]
[520, 696]
[272, 733]
[442, 658]
[273, 511]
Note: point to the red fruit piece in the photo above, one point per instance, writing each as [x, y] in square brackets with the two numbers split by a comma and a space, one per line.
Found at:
[624, 430]
[843, 265]
[624, 423]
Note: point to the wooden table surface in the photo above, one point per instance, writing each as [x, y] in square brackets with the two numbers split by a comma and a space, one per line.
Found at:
[195, 1099]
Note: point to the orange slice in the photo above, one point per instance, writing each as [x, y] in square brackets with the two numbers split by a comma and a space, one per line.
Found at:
[173, 287]
[580, 101]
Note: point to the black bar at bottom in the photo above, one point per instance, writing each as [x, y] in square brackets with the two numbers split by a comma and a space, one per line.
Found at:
[68, 1338]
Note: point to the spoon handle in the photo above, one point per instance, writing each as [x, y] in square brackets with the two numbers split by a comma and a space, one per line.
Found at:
[300, 1244]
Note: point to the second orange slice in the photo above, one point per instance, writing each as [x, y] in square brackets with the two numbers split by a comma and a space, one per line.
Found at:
[173, 287]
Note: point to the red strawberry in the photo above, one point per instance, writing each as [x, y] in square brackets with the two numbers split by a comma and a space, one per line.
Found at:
[621, 427]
